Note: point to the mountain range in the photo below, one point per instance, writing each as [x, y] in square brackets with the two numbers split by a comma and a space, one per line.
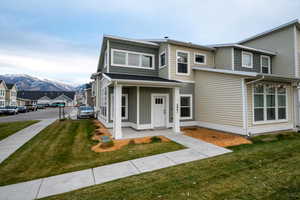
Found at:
[27, 82]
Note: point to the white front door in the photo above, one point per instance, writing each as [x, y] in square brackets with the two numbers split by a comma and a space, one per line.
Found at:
[159, 111]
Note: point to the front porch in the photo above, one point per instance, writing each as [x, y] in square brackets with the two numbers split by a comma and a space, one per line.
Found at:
[141, 105]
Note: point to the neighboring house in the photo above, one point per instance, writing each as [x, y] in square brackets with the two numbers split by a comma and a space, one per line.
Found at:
[246, 88]
[11, 95]
[88, 99]
[3, 89]
[48, 97]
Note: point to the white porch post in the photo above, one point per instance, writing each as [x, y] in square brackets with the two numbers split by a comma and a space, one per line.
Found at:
[176, 104]
[117, 125]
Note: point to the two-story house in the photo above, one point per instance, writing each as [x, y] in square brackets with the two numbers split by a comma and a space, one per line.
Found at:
[238, 88]
[11, 95]
[3, 89]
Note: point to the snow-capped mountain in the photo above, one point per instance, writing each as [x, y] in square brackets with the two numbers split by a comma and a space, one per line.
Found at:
[26, 82]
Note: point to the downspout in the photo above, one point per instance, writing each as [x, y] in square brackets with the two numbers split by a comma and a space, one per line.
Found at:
[246, 102]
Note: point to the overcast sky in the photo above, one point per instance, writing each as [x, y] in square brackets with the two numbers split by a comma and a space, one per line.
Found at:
[61, 39]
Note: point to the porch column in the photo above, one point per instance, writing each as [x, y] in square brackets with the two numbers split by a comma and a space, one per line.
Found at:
[176, 104]
[117, 125]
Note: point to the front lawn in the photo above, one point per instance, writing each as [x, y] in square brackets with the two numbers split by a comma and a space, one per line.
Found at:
[9, 128]
[66, 146]
[268, 169]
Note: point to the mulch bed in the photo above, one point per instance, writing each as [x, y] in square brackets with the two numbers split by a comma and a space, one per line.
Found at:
[215, 137]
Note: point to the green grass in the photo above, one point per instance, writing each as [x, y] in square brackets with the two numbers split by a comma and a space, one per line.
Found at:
[268, 169]
[9, 128]
[64, 147]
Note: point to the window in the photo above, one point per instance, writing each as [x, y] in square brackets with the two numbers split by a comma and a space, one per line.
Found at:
[265, 64]
[270, 103]
[103, 101]
[162, 59]
[132, 59]
[247, 59]
[2, 104]
[186, 107]
[182, 62]
[2, 93]
[200, 58]
[124, 106]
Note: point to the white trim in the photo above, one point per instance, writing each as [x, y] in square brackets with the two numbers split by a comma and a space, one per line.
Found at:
[224, 71]
[232, 59]
[185, 81]
[200, 54]
[117, 122]
[249, 53]
[126, 106]
[265, 121]
[188, 63]
[162, 66]
[191, 105]
[126, 59]
[169, 62]
[167, 107]
[245, 109]
[148, 82]
[138, 107]
[296, 52]
[269, 63]
[176, 112]
[188, 123]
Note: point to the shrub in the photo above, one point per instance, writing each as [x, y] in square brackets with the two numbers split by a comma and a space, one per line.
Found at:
[155, 139]
[107, 144]
[131, 142]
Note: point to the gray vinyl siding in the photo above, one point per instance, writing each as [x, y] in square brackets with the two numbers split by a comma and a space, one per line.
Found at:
[189, 88]
[132, 104]
[134, 48]
[145, 103]
[282, 42]
[238, 62]
[164, 72]
[223, 58]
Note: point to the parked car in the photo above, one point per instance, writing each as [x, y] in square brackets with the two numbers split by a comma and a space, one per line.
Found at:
[31, 107]
[58, 104]
[10, 110]
[85, 112]
[40, 106]
[22, 109]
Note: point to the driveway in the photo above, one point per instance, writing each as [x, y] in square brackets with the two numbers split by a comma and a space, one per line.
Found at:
[48, 113]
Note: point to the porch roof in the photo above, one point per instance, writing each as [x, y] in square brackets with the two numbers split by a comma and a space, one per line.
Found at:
[138, 79]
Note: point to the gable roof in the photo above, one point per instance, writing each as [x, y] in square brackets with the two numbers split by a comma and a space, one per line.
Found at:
[10, 85]
[35, 95]
[291, 23]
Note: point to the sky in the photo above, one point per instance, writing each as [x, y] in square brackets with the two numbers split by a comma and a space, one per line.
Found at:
[61, 39]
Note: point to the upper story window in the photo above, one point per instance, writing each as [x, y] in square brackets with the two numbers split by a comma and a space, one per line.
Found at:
[162, 59]
[200, 58]
[182, 63]
[247, 59]
[265, 64]
[132, 59]
[2, 93]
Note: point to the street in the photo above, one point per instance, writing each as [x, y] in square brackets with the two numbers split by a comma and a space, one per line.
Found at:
[37, 115]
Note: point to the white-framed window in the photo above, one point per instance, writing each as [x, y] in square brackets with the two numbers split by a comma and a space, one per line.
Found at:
[186, 106]
[182, 62]
[124, 106]
[265, 62]
[103, 101]
[199, 58]
[269, 103]
[132, 59]
[247, 59]
[162, 59]
[2, 103]
[2, 93]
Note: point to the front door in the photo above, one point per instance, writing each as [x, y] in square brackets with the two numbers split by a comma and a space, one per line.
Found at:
[159, 111]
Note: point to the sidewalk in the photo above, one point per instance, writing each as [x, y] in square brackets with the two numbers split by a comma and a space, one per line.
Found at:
[12, 143]
[62, 183]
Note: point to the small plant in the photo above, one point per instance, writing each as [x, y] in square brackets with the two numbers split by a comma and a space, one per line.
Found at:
[155, 139]
[107, 144]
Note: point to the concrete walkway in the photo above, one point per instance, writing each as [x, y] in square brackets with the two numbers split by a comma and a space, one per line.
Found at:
[44, 187]
[12, 143]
